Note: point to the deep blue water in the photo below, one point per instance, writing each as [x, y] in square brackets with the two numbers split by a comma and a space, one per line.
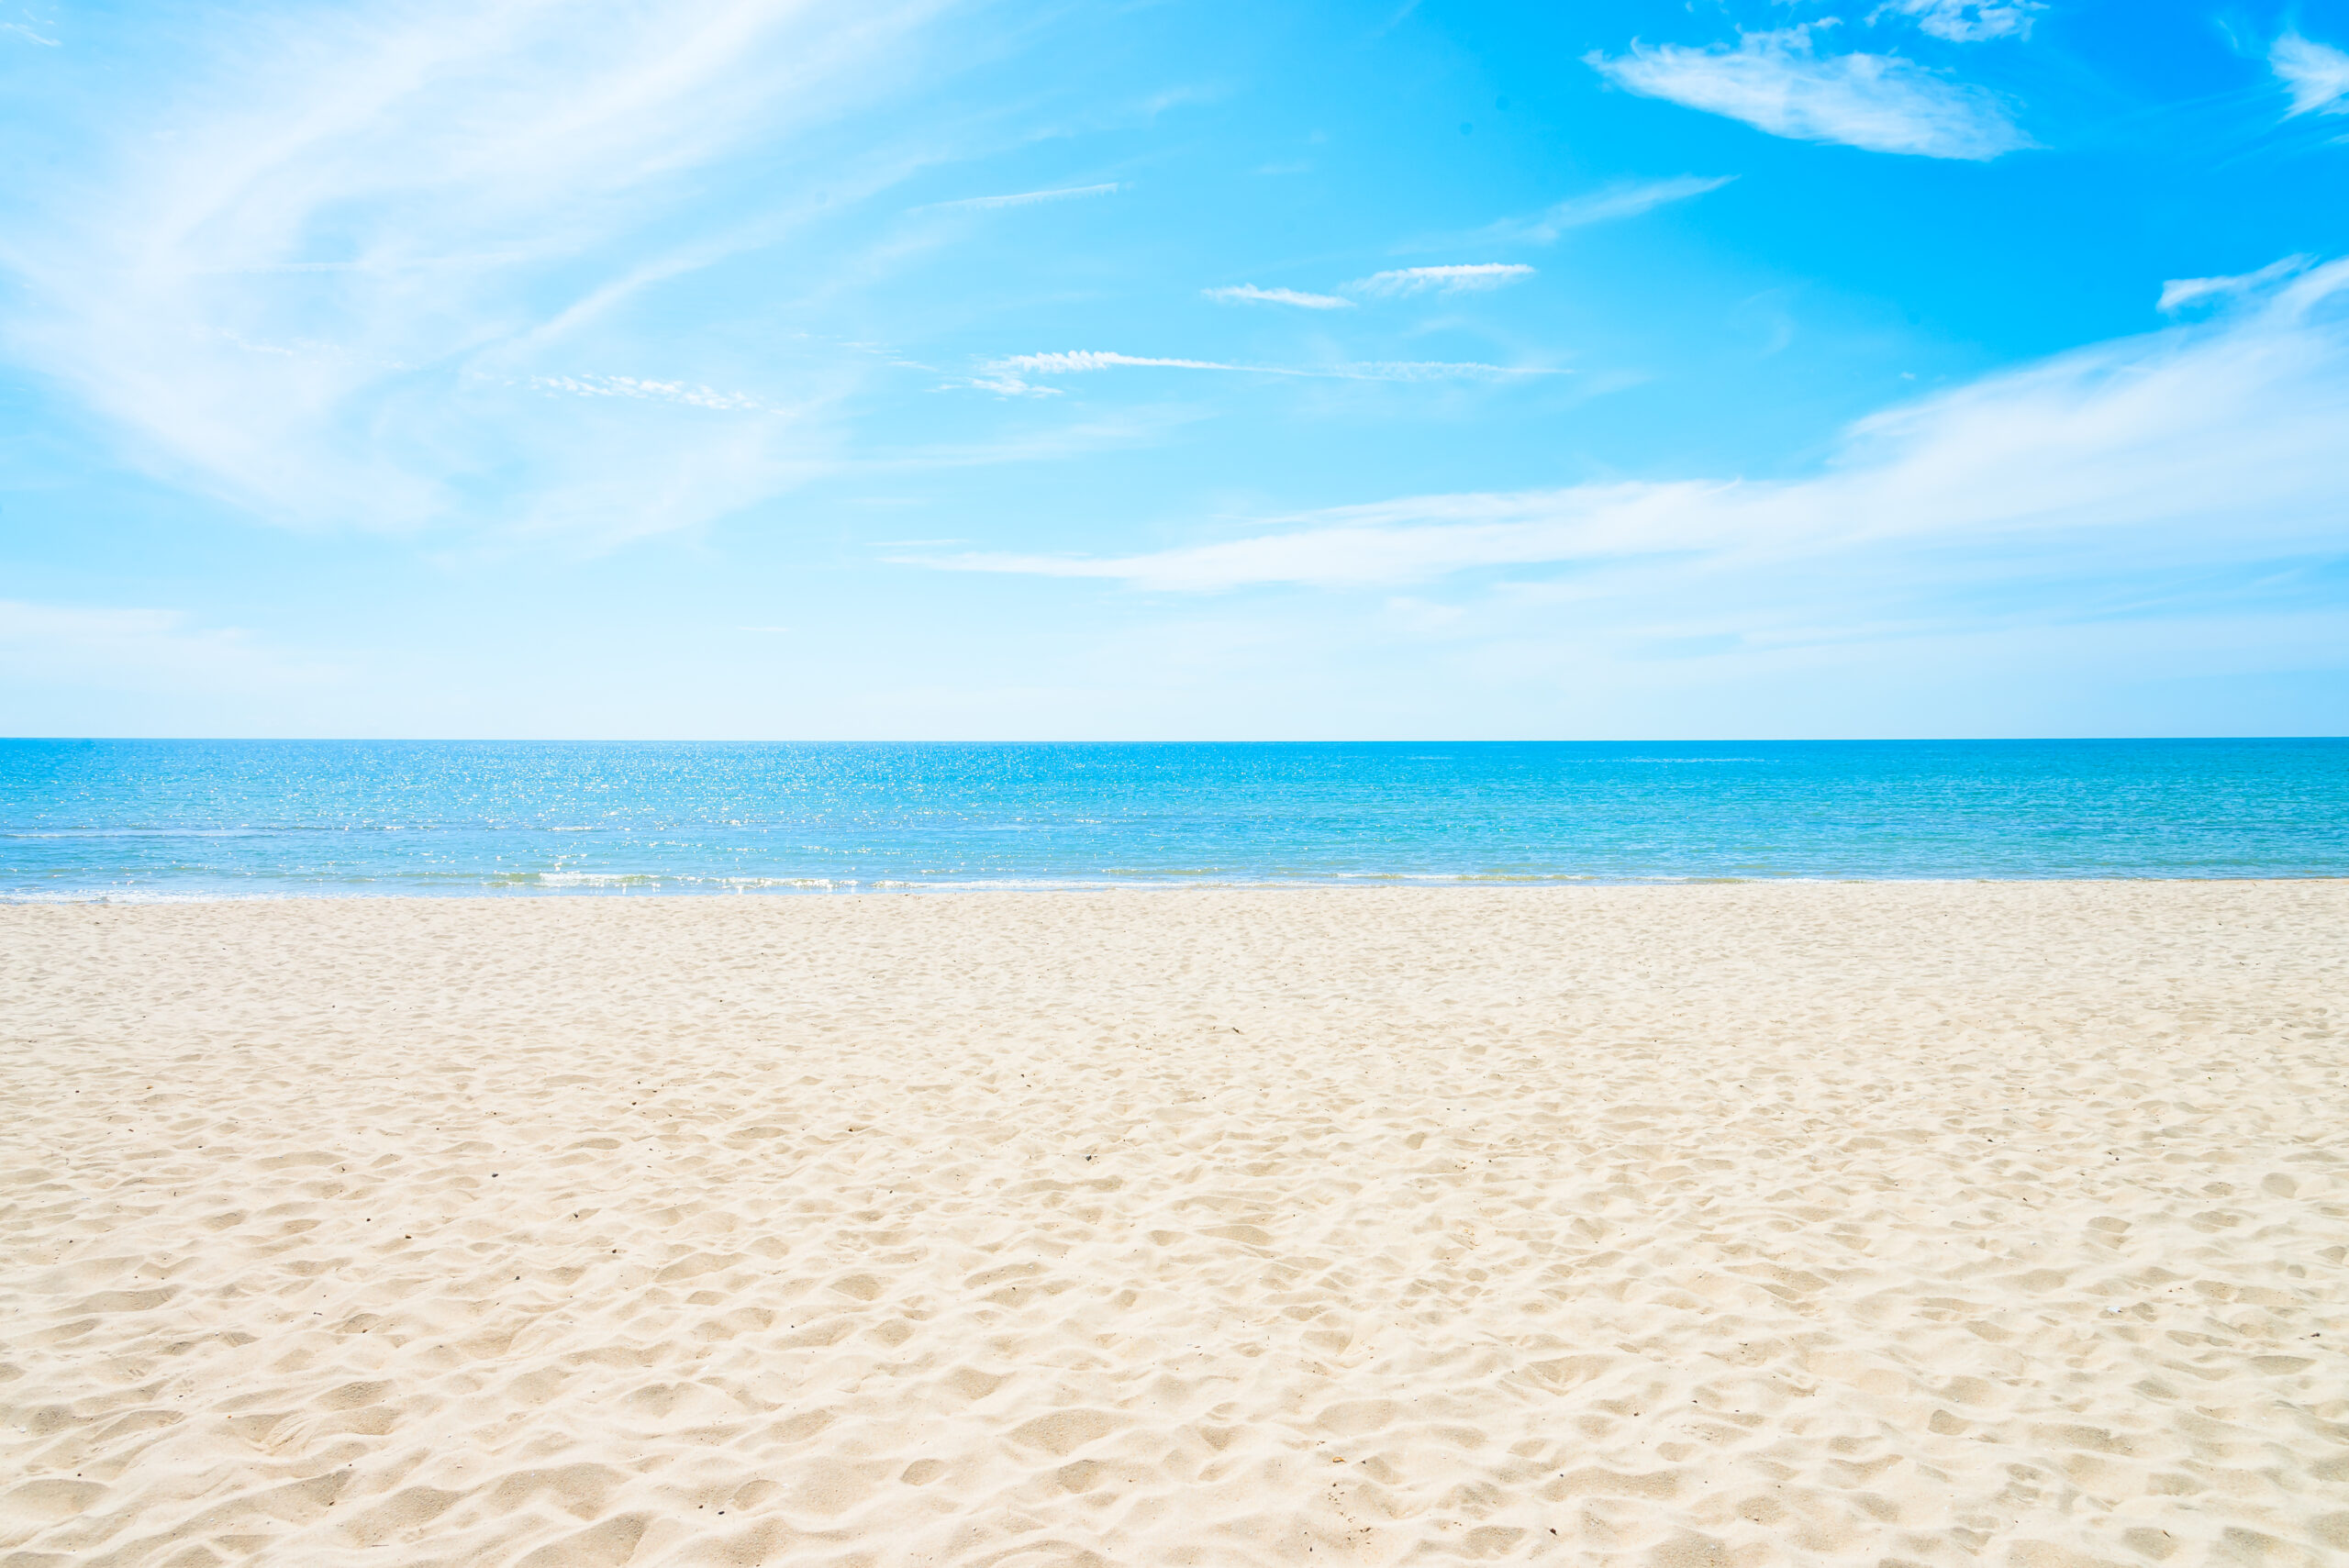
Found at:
[179, 819]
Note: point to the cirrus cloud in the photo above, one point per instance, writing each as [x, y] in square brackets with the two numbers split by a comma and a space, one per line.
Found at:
[2219, 442]
[118, 648]
[1629, 199]
[1023, 198]
[1009, 375]
[2317, 75]
[2179, 292]
[319, 272]
[1967, 22]
[1249, 294]
[1777, 82]
[1474, 277]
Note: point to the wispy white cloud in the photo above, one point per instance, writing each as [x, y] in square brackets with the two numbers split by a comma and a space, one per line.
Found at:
[112, 647]
[1074, 362]
[1777, 82]
[315, 275]
[2316, 73]
[1967, 22]
[2220, 440]
[1025, 199]
[1002, 384]
[18, 30]
[1472, 278]
[1607, 206]
[1009, 375]
[1249, 294]
[656, 391]
[2179, 292]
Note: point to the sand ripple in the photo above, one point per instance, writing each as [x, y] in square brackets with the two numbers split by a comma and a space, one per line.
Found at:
[1749, 1225]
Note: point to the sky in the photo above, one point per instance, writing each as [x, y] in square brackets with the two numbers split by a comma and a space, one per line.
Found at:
[909, 368]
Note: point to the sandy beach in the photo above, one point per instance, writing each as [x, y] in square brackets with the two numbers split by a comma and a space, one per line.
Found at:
[1883, 1224]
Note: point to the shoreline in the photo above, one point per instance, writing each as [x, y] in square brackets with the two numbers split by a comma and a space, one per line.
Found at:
[1396, 883]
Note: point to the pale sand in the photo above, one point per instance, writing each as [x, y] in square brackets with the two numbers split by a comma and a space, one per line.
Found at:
[1937, 1224]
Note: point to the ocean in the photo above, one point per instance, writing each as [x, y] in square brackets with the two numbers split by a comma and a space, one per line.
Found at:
[166, 819]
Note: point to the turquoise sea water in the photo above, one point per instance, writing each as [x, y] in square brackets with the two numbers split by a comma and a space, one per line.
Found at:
[191, 818]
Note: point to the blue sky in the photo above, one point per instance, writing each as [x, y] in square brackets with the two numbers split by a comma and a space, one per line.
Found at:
[915, 369]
